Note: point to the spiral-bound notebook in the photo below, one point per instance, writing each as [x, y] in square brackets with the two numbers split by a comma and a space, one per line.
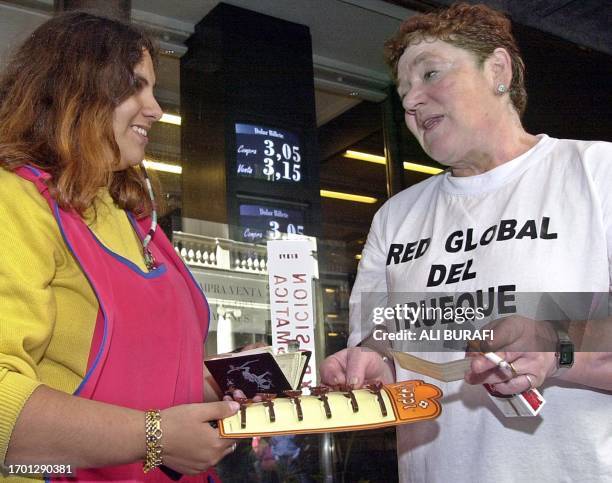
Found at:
[259, 370]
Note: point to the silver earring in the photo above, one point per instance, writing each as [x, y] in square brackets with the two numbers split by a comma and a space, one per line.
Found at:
[501, 88]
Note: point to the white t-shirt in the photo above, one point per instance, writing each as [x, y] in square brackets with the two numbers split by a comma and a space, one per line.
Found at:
[552, 212]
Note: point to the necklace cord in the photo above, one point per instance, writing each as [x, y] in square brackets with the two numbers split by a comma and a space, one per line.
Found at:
[148, 256]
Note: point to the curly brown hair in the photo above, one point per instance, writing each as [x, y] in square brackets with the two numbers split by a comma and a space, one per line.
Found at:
[57, 99]
[476, 28]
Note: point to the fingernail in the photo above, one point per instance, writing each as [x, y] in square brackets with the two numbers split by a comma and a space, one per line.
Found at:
[335, 381]
[353, 380]
[234, 406]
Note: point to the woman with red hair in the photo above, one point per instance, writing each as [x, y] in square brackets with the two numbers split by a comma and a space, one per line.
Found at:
[514, 214]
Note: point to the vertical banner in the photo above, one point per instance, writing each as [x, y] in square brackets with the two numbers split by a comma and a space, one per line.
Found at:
[291, 267]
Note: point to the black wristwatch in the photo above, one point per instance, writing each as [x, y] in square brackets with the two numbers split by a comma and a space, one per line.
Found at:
[565, 352]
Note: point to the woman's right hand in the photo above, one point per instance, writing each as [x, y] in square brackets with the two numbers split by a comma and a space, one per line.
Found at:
[190, 444]
[355, 367]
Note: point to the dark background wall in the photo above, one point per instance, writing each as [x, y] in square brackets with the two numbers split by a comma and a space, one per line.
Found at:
[568, 87]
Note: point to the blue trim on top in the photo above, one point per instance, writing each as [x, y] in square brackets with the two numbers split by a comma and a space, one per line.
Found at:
[209, 318]
[105, 333]
[204, 299]
[158, 272]
[33, 169]
[134, 224]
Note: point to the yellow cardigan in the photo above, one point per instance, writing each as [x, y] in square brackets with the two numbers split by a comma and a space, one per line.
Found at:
[47, 307]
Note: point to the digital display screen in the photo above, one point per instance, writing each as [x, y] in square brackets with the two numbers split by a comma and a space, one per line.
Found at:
[263, 222]
[268, 153]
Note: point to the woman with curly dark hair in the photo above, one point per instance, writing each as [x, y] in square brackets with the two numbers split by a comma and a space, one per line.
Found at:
[102, 327]
[514, 214]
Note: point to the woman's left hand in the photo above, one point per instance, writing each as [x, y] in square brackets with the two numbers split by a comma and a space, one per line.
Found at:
[528, 345]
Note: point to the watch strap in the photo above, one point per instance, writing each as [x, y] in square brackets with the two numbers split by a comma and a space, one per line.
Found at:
[564, 354]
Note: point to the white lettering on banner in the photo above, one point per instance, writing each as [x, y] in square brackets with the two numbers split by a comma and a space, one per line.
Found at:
[244, 169]
[290, 273]
[276, 134]
[252, 235]
[246, 151]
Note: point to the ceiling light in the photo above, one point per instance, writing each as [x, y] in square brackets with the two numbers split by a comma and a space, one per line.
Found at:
[347, 196]
[358, 256]
[165, 167]
[373, 158]
[330, 290]
[421, 168]
[171, 119]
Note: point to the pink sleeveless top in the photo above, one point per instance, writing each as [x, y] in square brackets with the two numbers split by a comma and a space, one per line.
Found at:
[147, 347]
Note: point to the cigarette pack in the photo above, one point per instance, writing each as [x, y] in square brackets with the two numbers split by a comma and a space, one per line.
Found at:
[527, 403]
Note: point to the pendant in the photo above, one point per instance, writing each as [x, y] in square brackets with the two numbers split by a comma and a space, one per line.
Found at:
[149, 259]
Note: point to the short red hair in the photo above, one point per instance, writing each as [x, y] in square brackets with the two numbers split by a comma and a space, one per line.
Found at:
[476, 28]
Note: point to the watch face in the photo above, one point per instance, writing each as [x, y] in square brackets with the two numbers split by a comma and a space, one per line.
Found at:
[566, 354]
